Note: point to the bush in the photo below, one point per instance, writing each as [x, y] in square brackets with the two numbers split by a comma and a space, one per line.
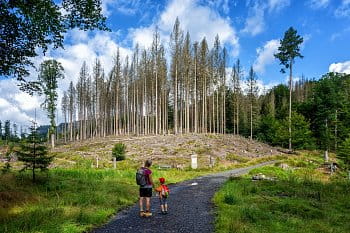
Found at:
[119, 151]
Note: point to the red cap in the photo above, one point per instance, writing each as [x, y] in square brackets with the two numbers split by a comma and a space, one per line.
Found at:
[162, 180]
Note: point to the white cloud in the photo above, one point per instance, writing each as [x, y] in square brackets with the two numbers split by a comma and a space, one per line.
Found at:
[27, 102]
[277, 5]
[343, 10]
[200, 21]
[341, 67]
[19, 107]
[265, 55]
[224, 5]
[255, 23]
[142, 36]
[100, 46]
[126, 7]
[318, 4]
[306, 38]
[262, 87]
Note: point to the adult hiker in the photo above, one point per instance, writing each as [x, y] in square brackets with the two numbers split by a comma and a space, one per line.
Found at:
[144, 180]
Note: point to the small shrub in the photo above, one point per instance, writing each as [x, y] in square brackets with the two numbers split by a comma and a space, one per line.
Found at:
[119, 151]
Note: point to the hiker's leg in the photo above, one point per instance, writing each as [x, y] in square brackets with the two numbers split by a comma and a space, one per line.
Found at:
[141, 203]
[148, 204]
[161, 204]
[165, 205]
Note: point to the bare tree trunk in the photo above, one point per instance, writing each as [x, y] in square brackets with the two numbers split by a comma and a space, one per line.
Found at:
[195, 96]
[52, 140]
[290, 106]
[175, 100]
[336, 131]
[251, 121]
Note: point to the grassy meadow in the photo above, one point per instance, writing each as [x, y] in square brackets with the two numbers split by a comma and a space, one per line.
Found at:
[301, 198]
[70, 199]
[75, 196]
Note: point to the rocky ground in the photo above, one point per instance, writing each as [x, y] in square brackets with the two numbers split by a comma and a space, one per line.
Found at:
[172, 150]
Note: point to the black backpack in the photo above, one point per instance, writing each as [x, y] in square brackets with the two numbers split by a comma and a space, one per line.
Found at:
[140, 177]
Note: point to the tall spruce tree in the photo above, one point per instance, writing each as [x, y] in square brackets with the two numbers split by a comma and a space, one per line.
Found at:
[176, 41]
[252, 93]
[288, 50]
[49, 73]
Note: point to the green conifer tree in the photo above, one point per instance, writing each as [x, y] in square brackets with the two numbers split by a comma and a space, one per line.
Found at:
[33, 153]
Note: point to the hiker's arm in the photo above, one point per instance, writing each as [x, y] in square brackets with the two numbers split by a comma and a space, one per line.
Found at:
[151, 180]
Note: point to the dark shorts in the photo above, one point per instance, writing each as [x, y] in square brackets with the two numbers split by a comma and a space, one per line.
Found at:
[163, 201]
[145, 192]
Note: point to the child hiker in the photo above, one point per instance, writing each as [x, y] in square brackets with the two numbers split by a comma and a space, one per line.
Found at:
[163, 192]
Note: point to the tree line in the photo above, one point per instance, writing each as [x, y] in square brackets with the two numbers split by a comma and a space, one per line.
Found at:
[192, 92]
[145, 95]
[195, 94]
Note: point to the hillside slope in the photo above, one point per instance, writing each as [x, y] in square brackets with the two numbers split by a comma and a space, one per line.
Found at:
[173, 150]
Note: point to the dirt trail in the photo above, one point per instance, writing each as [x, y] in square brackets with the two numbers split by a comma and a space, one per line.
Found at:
[190, 208]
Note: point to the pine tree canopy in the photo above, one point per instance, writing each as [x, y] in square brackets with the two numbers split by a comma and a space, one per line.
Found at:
[29, 25]
[289, 48]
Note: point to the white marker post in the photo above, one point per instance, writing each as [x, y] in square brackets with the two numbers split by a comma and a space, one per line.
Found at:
[211, 161]
[96, 162]
[114, 162]
[194, 163]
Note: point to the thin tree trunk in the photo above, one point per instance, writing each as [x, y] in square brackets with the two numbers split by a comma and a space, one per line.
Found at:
[175, 100]
[290, 107]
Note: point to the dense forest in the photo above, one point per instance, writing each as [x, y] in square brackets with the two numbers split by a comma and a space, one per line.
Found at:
[189, 90]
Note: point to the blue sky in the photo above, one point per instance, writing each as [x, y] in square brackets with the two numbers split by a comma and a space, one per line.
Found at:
[250, 29]
[324, 24]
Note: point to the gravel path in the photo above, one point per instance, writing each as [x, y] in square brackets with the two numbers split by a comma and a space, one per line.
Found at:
[190, 208]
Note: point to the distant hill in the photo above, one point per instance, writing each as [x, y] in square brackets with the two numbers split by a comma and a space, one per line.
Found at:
[43, 129]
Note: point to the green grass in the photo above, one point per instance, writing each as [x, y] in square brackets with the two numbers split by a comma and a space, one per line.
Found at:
[70, 200]
[298, 201]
